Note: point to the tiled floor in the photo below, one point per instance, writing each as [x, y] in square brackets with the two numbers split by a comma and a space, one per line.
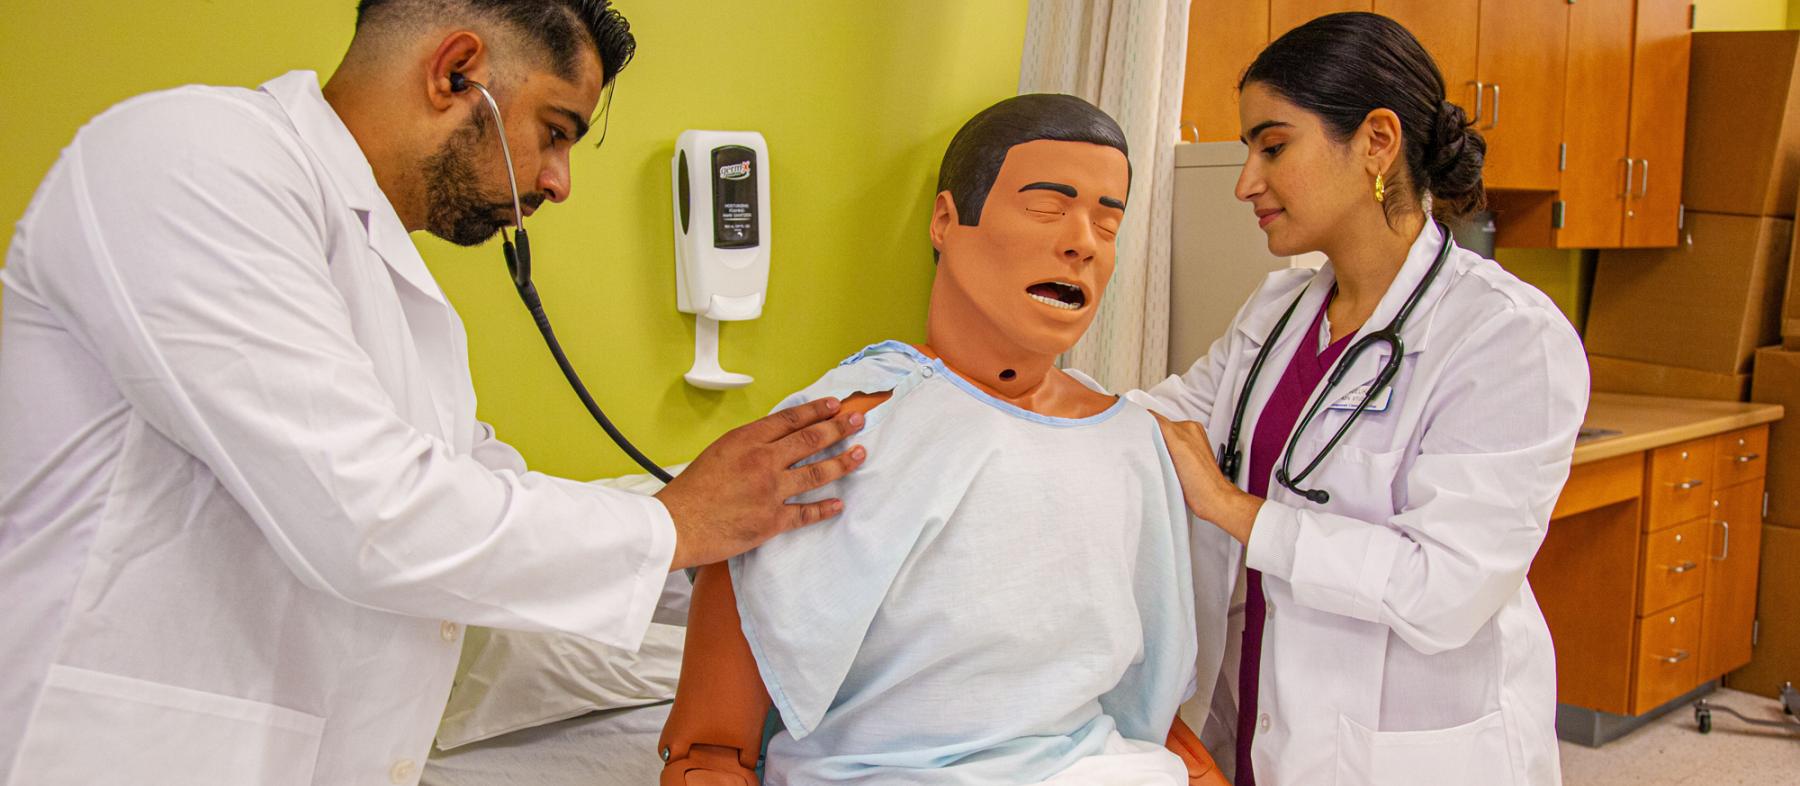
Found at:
[1671, 750]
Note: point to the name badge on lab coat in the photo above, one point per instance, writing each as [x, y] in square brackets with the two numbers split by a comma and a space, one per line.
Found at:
[1348, 401]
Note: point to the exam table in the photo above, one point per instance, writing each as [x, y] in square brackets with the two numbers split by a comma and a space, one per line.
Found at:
[608, 748]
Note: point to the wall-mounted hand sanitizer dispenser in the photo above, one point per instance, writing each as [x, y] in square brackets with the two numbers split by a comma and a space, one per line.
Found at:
[721, 187]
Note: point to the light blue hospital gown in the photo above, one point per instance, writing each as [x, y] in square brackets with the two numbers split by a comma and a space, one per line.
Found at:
[1003, 593]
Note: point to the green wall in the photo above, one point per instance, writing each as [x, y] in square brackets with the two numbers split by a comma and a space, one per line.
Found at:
[1741, 14]
[856, 100]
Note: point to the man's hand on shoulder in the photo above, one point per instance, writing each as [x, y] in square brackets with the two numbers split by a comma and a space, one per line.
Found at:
[734, 495]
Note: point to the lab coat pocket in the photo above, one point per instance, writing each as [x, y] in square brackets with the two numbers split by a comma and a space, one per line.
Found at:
[1473, 754]
[90, 727]
[1362, 483]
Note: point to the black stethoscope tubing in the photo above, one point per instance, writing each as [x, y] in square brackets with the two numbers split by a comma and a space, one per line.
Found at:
[1231, 454]
[518, 264]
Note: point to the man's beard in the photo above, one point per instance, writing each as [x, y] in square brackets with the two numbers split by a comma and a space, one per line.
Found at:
[456, 210]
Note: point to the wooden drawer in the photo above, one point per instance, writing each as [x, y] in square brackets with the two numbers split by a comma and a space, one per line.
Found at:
[1681, 483]
[1740, 456]
[1597, 484]
[1667, 643]
[1674, 566]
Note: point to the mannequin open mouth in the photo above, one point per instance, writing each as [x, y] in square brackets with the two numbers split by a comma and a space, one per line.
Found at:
[1058, 294]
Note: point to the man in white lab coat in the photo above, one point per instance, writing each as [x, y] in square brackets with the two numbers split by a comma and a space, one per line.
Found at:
[245, 505]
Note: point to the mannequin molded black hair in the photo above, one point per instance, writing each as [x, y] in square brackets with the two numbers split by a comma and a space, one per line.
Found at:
[1343, 66]
[976, 152]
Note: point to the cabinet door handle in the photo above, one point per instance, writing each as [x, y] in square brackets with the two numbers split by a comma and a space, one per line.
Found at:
[1679, 656]
[1725, 547]
[1747, 458]
[1494, 111]
[1688, 484]
[1683, 567]
[1630, 165]
[1644, 182]
[1479, 86]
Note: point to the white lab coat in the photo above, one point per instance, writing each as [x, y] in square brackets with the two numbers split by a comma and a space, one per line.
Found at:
[1403, 644]
[245, 505]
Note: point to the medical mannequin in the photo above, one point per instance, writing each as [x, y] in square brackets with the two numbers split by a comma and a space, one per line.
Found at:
[1024, 258]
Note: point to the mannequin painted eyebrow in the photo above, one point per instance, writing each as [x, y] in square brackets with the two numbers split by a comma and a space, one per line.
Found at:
[1070, 192]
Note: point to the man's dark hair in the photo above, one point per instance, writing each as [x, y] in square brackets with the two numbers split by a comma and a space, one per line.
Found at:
[561, 27]
[976, 152]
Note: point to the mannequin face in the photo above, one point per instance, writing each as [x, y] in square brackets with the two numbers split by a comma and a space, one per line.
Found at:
[1032, 272]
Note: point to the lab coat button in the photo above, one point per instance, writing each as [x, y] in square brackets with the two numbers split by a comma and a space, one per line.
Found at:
[403, 771]
[448, 631]
[1263, 722]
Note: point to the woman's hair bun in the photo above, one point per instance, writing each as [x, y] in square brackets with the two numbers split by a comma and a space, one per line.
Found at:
[1453, 161]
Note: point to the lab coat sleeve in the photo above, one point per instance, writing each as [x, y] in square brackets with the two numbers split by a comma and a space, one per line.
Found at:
[1498, 437]
[191, 262]
[494, 454]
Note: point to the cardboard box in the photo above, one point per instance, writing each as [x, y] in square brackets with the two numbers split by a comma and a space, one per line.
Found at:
[1777, 381]
[1743, 127]
[1790, 305]
[1776, 656]
[1706, 304]
[1617, 375]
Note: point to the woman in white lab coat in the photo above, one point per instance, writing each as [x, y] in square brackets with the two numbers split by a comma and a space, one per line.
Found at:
[1391, 636]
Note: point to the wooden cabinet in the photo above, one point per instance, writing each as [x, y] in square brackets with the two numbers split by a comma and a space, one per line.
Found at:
[1648, 574]
[1659, 87]
[1597, 106]
[1285, 15]
[1666, 644]
[1680, 484]
[1626, 107]
[1224, 36]
[1520, 61]
[1583, 105]
[1513, 50]
[1674, 566]
[1733, 550]
[1449, 30]
[1704, 501]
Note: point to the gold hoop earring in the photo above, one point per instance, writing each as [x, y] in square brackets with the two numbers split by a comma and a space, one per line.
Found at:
[1380, 190]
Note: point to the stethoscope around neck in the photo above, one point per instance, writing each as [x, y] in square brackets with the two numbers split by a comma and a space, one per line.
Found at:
[518, 264]
[1231, 455]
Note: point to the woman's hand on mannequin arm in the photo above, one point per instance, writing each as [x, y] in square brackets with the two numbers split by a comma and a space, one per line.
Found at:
[1209, 494]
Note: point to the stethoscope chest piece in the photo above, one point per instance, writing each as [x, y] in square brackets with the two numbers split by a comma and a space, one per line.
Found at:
[1387, 338]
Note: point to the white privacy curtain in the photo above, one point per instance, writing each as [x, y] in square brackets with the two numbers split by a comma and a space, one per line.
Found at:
[1126, 57]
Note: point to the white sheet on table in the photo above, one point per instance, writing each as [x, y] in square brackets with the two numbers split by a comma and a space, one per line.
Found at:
[613, 748]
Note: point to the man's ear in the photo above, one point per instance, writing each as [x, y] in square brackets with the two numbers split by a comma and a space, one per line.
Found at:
[943, 216]
[461, 52]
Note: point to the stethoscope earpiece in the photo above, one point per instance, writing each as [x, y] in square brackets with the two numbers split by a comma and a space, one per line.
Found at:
[517, 250]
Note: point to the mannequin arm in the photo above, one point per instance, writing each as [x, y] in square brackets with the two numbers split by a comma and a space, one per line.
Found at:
[1201, 769]
[714, 733]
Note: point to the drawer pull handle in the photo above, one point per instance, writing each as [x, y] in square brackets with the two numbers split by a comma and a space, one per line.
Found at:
[1679, 656]
[1689, 484]
[1725, 547]
[1748, 457]
[1683, 567]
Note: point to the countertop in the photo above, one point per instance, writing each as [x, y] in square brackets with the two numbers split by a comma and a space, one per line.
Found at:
[1646, 422]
